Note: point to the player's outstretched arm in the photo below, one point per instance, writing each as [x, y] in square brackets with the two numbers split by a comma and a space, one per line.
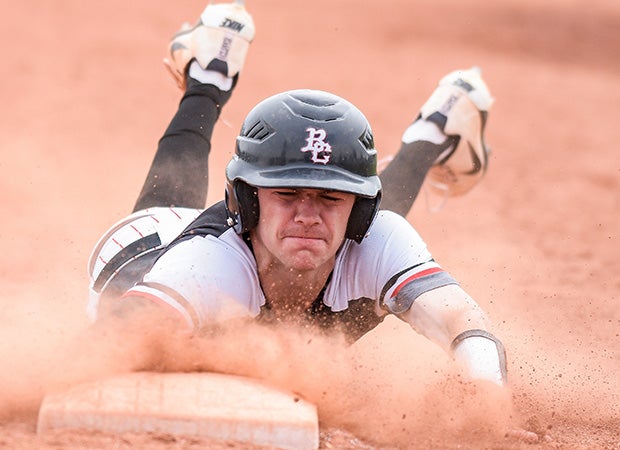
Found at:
[205, 61]
[451, 318]
[445, 144]
[139, 336]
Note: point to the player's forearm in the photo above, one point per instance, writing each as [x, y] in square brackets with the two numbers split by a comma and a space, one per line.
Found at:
[481, 354]
[110, 346]
[443, 313]
[134, 335]
[453, 320]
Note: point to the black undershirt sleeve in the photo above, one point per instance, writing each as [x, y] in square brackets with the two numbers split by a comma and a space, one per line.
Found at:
[403, 177]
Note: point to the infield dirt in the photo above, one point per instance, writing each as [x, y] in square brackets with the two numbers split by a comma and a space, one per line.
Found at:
[86, 97]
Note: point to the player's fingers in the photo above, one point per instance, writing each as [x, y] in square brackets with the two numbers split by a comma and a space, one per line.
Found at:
[522, 435]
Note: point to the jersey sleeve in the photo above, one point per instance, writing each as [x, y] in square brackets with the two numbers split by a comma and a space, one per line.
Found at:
[402, 266]
[205, 279]
[126, 251]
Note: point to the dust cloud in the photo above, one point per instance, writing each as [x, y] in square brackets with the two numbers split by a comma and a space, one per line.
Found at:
[390, 387]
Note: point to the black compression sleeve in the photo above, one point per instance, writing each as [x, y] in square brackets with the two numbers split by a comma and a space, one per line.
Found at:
[403, 177]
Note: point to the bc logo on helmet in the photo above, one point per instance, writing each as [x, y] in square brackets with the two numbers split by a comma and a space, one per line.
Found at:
[315, 143]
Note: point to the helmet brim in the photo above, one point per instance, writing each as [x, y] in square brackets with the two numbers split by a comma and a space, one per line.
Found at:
[313, 177]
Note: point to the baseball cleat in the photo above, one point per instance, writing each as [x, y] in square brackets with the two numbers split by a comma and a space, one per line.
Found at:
[459, 107]
[218, 42]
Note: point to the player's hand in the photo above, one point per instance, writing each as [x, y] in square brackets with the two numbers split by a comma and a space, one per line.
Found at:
[522, 435]
[497, 403]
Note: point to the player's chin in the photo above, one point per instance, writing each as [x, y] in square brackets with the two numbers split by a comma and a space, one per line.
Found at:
[305, 260]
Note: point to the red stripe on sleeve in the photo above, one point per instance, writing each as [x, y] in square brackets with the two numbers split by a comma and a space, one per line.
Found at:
[415, 276]
[137, 231]
[175, 213]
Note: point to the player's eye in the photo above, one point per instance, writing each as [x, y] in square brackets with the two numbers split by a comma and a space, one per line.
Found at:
[286, 193]
[331, 198]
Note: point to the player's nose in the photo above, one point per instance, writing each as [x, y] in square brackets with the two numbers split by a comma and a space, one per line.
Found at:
[307, 210]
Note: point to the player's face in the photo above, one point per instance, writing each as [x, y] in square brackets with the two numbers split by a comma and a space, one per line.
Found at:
[300, 229]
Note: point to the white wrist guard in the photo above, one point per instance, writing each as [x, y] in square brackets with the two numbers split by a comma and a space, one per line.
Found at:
[482, 354]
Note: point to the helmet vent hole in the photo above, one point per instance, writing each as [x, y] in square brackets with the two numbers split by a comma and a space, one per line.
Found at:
[367, 140]
[259, 131]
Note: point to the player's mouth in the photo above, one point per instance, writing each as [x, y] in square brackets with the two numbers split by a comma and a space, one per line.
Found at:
[304, 240]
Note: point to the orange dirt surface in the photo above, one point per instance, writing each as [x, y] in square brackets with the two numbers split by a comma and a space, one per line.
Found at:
[85, 99]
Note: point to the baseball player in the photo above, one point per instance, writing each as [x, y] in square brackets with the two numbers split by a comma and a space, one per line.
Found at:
[308, 233]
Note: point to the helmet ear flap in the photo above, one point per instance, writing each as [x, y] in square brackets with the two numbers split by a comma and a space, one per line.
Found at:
[241, 206]
[363, 213]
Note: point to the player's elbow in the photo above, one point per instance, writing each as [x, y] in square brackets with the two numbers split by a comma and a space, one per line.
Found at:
[443, 313]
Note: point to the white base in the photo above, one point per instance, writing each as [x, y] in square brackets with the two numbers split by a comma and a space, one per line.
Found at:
[206, 405]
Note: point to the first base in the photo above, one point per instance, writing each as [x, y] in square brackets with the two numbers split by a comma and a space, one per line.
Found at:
[208, 405]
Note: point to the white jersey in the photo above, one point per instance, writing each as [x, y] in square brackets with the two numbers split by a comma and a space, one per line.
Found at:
[126, 251]
[209, 275]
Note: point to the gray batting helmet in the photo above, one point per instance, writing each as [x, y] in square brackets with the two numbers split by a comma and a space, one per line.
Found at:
[304, 139]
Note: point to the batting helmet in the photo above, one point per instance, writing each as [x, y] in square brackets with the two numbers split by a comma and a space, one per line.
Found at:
[304, 139]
